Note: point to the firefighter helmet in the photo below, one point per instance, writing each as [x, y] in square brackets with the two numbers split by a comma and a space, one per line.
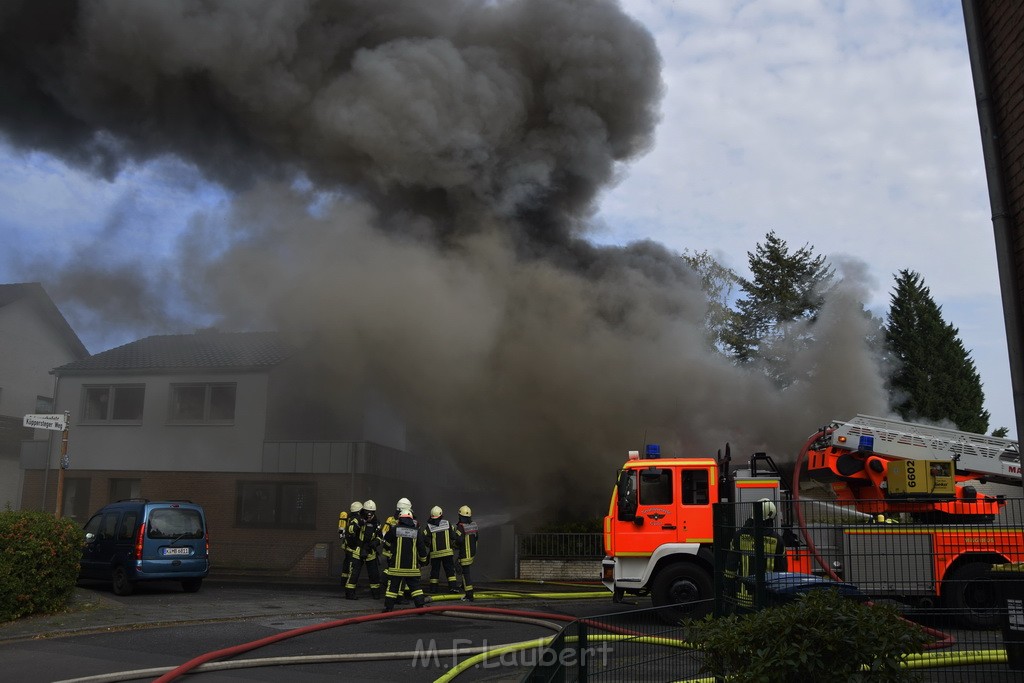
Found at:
[355, 507]
[370, 506]
[403, 504]
[465, 511]
[767, 509]
[436, 511]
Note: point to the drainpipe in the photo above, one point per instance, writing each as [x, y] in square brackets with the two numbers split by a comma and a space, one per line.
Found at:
[1002, 220]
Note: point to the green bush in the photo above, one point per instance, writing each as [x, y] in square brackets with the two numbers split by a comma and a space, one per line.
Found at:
[39, 559]
[820, 636]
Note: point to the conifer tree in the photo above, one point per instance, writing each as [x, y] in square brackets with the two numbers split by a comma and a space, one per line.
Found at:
[935, 378]
[772, 322]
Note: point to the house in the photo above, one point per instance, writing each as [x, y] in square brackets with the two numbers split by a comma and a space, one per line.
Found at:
[995, 33]
[243, 423]
[34, 338]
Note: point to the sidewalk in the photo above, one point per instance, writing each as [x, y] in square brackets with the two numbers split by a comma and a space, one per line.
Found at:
[94, 608]
[223, 598]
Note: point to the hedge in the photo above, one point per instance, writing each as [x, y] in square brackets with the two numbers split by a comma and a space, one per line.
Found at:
[39, 560]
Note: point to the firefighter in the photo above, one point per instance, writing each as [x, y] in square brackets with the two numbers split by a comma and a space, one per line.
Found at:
[740, 566]
[363, 540]
[438, 534]
[409, 553]
[346, 559]
[465, 544]
[392, 520]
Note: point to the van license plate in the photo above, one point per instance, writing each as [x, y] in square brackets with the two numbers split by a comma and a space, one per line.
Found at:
[177, 551]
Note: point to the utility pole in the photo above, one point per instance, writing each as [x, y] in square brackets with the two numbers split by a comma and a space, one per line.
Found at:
[64, 463]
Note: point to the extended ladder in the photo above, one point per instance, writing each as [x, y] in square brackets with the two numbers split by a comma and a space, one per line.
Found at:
[977, 454]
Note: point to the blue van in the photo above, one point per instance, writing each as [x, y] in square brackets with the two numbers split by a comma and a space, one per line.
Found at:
[142, 540]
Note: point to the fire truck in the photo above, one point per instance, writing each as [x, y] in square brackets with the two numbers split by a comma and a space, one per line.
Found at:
[895, 508]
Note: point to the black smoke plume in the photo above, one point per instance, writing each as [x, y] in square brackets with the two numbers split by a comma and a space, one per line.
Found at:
[412, 184]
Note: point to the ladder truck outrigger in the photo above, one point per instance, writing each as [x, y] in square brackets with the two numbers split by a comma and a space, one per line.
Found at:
[888, 481]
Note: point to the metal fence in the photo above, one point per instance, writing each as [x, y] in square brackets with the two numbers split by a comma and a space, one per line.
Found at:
[581, 546]
[955, 579]
[629, 646]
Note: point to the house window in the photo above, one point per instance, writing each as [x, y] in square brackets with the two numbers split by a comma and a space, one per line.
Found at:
[117, 403]
[213, 403]
[289, 505]
[44, 405]
[125, 489]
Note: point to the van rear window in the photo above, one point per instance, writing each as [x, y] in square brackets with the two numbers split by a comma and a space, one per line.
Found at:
[175, 523]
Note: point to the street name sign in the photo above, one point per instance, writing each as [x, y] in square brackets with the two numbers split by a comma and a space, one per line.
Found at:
[57, 422]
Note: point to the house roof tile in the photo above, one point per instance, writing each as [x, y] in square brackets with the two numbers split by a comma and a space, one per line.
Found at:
[203, 350]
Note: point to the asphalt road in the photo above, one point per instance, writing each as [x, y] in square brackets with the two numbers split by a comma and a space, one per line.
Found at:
[160, 626]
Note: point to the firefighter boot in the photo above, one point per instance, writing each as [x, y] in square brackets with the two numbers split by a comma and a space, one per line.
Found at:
[389, 604]
[453, 587]
[350, 593]
[468, 597]
[419, 600]
[433, 587]
[375, 593]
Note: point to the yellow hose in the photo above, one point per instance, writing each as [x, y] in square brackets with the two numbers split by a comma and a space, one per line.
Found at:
[504, 595]
[544, 642]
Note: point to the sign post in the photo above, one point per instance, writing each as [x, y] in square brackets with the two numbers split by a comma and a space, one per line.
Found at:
[57, 423]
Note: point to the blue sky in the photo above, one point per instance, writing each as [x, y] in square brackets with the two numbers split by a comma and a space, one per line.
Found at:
[848, 126]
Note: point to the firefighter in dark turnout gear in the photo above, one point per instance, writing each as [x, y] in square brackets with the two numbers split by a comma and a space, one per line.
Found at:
[438, 534]
[465, 545]
[363, 540]
[343, 519]
[740, 563]
[409, 552]
[392, 520]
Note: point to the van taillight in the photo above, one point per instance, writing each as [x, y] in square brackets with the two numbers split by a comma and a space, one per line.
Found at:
[138, 541]
[207, 543]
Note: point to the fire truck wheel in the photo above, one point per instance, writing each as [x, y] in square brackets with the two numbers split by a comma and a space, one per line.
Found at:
[971, 597]
[683, 591]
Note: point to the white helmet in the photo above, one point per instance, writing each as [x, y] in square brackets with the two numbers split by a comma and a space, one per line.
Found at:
[355, 507]
[403, 504]
[370, 506]
[465, 511]
[767, 509]
[436, 511]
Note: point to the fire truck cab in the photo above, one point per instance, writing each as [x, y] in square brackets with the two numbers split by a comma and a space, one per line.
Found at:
[659, 530]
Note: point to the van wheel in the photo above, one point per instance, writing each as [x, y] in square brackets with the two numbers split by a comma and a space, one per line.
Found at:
[971, 596]
[682, 591]
[191, 585]
[121, 584]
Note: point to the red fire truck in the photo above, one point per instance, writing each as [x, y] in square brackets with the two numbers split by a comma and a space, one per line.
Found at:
[891, 484]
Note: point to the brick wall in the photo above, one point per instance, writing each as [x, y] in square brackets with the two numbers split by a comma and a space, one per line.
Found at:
[1002, 24]
[560, 570]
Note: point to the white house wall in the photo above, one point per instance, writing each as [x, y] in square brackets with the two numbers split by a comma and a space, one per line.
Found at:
[158, 445]
[30, 350]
